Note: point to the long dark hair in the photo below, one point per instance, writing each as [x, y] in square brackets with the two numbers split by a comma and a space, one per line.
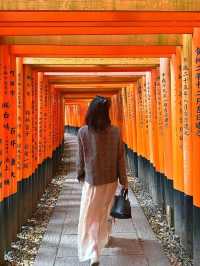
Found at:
[97, 117]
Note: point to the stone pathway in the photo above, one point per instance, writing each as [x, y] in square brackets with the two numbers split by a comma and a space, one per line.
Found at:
[134, 243]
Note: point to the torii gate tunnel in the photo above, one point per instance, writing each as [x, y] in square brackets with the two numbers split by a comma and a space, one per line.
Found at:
[143, 55]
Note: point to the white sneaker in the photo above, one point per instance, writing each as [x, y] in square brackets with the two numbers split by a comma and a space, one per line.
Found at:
[94, 262]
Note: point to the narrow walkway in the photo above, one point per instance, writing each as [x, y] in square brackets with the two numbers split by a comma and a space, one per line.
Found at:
[134, 243]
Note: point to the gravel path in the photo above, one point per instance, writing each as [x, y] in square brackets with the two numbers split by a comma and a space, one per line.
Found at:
[170, 242]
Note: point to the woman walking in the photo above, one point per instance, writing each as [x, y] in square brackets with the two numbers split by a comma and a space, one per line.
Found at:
[100, 164]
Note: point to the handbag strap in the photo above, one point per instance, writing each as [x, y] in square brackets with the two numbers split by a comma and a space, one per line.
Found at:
[124, 193]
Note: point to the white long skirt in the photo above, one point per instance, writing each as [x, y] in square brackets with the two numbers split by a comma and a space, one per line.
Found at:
[94, 227]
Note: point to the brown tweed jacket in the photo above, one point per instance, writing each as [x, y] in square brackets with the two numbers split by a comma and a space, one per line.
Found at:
[101, 156]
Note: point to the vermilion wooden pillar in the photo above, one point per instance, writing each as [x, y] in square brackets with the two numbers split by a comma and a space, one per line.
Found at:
[34, 140]
[140, 129]
[3, 230]
[196, 143]
[159, 148]
[40, 118]
[187, 139]
[153, 139]
[132, 88]
[13, 144]
[167, 137]
[20, 128]
[27, 137]
[8, 187]
[159, 126]
[177, 140]
[127, 122]
[7, 113]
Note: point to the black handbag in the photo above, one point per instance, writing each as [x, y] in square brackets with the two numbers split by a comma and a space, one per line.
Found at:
[121, 208]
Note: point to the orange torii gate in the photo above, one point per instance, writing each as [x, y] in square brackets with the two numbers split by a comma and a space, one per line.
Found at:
[94, 22]
[158, 112]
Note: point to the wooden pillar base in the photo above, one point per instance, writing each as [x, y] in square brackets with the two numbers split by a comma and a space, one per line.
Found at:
[196, 235]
